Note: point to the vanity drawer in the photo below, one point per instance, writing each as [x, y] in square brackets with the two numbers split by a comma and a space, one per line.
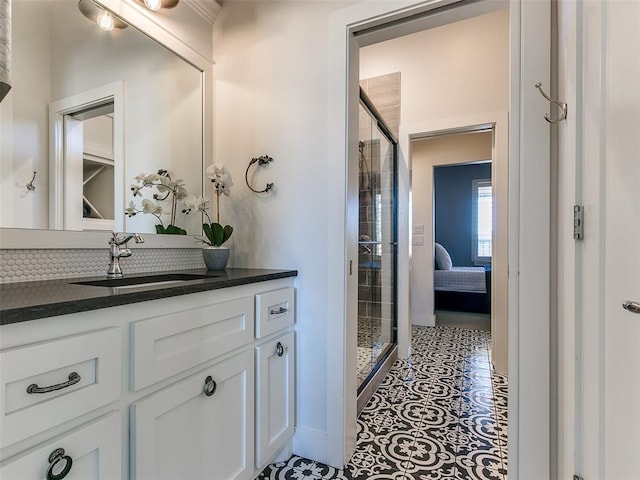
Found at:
[46, 384]
[275, 310]
[170, 344]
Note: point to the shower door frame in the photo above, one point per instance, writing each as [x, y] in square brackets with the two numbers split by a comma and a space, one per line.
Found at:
[368, 105]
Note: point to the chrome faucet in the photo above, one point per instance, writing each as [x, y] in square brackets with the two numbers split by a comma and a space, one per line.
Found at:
[117, 251]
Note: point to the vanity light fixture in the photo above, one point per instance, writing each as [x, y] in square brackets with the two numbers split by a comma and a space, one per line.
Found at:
[105, 21]
[103, 18]
[155, 5]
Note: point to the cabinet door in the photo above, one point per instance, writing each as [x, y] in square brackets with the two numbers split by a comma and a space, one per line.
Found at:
[197, 429]
[92, 451]
[275, 396]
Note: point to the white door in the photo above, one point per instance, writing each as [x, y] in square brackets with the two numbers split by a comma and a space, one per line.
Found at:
[199, 428]
[275, 390]
[622, 246]
[610, 443]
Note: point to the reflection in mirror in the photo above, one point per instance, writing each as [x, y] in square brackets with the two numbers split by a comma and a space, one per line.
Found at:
[154, 121]
[97, 168]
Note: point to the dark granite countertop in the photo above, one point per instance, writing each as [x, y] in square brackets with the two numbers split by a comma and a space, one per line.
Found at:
[23, 301]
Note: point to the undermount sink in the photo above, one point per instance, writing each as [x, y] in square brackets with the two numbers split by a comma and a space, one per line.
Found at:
[147, 281]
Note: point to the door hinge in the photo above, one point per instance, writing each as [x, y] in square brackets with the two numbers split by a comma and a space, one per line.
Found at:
[577, 477]
[578, 222]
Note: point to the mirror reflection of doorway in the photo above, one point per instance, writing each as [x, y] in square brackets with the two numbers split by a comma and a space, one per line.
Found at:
[97, 168]
[87, 139]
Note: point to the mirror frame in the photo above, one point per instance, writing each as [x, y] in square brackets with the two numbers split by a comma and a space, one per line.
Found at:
[149, 24]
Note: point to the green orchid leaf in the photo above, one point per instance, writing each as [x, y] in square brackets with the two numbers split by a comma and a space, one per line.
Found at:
[176, 230]
[208, 232]
[218, 234]
[170, 230]
[227, 231]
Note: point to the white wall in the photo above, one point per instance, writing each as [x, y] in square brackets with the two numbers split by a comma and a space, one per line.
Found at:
[24, 144]
[271, 98]
[447, 72]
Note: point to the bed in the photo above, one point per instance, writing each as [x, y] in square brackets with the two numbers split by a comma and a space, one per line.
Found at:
[460, 289]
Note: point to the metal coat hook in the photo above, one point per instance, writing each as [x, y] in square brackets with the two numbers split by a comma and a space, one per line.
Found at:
[30, 186]
[261, 160]
[561, 105]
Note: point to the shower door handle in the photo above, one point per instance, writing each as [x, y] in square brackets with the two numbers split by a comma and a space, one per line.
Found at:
[633, 307]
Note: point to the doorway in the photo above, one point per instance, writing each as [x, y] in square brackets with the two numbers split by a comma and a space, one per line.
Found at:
[87, 159]
[454, 144]
[529, 203]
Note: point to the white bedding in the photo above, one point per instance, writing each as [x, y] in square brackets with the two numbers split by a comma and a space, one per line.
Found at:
[460, 279]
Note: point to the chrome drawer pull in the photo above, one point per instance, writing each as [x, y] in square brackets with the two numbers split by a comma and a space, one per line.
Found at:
[73, 379]
[633, 307]
[280, 311]
[55, 458]
[280, 349]
[210, 386]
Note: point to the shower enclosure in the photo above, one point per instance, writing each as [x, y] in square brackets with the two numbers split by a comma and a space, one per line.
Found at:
[377, 242]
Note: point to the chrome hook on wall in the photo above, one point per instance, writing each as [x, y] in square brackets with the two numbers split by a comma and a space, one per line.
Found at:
[261, 160]
[561, 105]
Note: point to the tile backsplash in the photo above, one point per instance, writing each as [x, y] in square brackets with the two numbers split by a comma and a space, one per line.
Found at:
[47, 264]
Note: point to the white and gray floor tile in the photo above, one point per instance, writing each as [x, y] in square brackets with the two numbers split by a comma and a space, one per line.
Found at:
[440, 415]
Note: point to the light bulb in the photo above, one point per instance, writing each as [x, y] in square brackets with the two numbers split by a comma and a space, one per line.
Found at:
[105, 21]
[154, 5]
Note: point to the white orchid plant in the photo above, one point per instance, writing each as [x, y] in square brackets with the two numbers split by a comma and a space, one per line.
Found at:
[165, 189]
[214, 233]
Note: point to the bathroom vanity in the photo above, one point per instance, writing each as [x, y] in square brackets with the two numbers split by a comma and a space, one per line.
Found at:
[186, 379]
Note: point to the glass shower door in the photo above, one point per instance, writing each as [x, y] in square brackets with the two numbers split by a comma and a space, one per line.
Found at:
[377, 244]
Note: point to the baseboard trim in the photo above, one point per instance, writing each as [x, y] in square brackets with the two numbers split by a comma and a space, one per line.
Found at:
[310, 443]
[477, 321]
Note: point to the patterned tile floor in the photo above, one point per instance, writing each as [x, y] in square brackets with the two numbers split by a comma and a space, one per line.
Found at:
[442, 414]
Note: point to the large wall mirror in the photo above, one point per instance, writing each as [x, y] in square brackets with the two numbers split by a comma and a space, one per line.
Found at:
[90, 110]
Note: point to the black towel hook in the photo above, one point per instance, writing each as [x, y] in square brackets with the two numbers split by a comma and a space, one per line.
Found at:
[30, 186]
[261, 160]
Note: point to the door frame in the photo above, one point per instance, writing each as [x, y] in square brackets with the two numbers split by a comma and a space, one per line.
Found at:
[498, 123]
[65, 165]
[529, 219]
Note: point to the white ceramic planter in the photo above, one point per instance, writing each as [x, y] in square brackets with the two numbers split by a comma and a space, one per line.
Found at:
[216, 258]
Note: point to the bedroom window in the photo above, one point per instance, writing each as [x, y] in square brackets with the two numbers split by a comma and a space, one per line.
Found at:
[482, 221]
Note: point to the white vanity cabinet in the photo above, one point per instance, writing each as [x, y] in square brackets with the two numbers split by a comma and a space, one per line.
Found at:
[175, 388]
